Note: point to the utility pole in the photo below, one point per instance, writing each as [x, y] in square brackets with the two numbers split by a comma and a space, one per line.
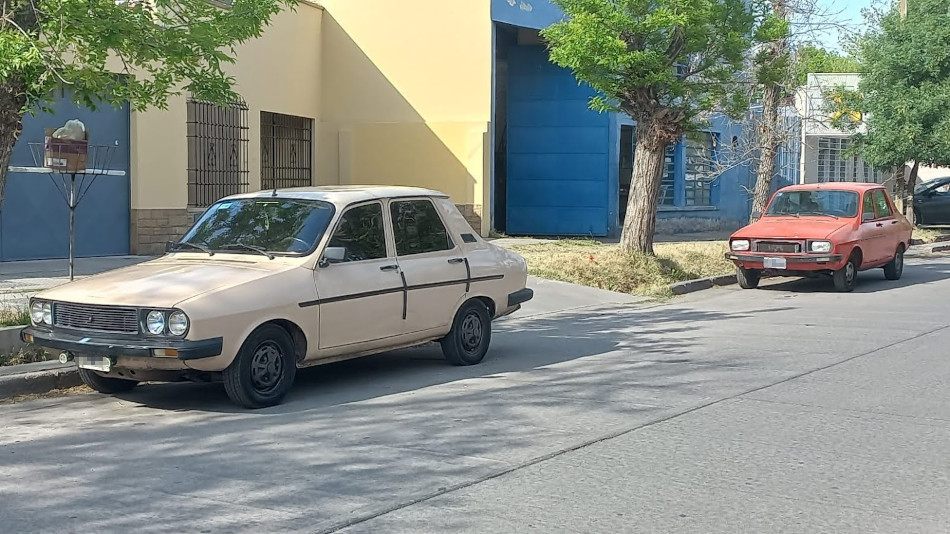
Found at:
[903, 9]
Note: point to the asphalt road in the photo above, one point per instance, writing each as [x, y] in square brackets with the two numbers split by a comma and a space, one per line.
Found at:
[787, 409]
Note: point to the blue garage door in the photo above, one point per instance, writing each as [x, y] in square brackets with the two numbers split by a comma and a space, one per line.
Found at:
[34, 219]
[558, 161]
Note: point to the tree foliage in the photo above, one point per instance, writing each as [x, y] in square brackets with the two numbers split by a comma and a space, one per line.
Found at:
[164, 46]
[666, 64]
[811, 58]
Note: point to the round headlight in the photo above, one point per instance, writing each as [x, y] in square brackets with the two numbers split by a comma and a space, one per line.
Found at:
[155, 322]
[48, 313]
[178, 323]
[740, 244]
[36, 312]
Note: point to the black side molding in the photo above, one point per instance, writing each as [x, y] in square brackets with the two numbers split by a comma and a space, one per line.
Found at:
[520, 297]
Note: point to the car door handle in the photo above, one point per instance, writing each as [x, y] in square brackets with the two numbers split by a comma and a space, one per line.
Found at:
[457, 260]
[879, 225]
[893, 222]
[389, 268]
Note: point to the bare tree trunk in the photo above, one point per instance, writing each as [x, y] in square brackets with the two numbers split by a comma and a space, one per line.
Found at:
[640, 221]
[771, 98]
[12, 101]
[908, 193]
[769, 147]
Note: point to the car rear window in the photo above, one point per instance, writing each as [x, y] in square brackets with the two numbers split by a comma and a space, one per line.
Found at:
[829, 202]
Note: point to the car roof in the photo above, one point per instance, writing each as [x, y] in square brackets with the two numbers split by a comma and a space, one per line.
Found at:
[835, 186]
[343, 194]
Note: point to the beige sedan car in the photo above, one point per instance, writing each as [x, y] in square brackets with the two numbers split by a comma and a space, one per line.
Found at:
[269, 282]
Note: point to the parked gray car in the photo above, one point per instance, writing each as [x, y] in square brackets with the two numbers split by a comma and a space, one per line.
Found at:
[932, 202]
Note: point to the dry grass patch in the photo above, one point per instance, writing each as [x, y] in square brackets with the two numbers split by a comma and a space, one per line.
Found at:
[594, 264]
[929, 235]
[14, 317]
[28, 354]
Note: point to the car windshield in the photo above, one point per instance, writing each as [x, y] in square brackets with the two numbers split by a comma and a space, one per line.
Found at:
[825, 202]
[938, 185]
[268, 226]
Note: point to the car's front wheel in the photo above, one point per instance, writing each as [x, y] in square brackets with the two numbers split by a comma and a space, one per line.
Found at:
[845, 277]
[468, 341]
[264, 369]
[894, 269]
[105, 384]
[748, 278]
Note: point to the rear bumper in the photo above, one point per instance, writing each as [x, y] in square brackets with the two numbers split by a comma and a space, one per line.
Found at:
[803, 262]
[520, 297]
[104, 346]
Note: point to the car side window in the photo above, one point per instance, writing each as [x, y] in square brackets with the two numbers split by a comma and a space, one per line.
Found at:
[417, 228]
[869, 205]
[880, 204]
[361, 232]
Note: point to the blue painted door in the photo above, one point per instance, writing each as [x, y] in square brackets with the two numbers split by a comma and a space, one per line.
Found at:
[34, 217]
[558, 151]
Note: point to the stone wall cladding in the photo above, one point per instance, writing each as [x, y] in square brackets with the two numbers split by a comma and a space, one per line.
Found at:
[472, 214]
[151, 228]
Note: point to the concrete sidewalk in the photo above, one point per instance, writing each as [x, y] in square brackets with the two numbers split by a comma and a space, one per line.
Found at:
[19, 280]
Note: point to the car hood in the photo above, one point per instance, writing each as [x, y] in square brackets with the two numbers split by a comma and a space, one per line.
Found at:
[164, 282]
[792, 228]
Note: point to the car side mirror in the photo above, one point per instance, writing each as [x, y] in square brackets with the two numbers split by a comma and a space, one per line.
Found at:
[867, 217]
[333, 255]
[756, 215]
[170, 246]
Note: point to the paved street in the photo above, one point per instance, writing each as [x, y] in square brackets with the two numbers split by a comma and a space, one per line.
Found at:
[788, 409]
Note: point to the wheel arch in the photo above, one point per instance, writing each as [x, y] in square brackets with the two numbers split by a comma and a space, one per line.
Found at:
[296, 334]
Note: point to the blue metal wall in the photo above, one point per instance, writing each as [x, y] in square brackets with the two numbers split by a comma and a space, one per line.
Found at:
[559, 156]
[34, 218]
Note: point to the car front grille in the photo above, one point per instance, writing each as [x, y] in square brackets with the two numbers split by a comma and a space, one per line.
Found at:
[98, 318]
[778, 247]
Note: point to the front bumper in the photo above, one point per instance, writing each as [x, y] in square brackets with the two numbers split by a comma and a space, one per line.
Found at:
[98, 345]
[793, 262]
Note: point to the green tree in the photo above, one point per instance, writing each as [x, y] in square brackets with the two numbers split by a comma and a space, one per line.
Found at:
[904, 93]
[665, 63]
[166, 47]
[810, 58]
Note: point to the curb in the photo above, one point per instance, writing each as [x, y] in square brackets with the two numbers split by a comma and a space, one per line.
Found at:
[700, 284]
[940, 248]
[939, 239]
[36, 382]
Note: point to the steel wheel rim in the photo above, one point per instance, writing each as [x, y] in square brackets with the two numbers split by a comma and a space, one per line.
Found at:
[849, 273]
[267, 367]
[470, 333]
[899, 262]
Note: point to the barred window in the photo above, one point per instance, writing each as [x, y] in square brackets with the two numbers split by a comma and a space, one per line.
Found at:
[217, 151]
[700, 151]
[834, 165]
[286, 151]
[668, 182]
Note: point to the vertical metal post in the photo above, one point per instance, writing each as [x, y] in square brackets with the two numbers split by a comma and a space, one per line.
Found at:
[72, 222]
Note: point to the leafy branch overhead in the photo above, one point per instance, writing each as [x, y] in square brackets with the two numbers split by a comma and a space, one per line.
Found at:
[161, 47]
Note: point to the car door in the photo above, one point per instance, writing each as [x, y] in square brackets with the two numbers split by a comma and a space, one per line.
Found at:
[935, 205]
[433, 265]
[872, 230]
[887, 221]
[360, 291]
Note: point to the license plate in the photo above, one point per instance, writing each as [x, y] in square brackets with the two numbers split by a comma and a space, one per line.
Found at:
[96, 363]
[775, 263]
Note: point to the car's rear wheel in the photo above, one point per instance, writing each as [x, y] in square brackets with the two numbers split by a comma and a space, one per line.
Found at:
[748, 278]
[105, 384]
[264, 369]
[468, 341]
[918, 218]
[846, 276]
[894, 269]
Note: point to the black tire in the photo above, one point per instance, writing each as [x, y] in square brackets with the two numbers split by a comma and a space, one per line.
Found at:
[748, 278]
[105, 384]
[894, 269]
[264, 369]
[846, 276]
[918, 218]
[468, 341]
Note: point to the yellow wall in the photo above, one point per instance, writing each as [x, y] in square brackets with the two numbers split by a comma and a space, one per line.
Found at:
[279, 72]
[407, 96]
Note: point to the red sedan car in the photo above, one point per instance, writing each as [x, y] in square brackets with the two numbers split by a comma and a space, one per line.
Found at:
[833, 229]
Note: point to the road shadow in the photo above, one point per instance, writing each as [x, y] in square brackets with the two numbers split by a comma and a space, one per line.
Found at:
[871, 281]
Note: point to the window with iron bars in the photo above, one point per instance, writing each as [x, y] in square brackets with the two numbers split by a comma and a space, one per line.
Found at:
[286, 151]
[217, 151]
[700, 151]
[668, 182]
[835, 166]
